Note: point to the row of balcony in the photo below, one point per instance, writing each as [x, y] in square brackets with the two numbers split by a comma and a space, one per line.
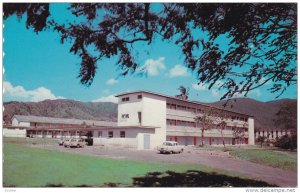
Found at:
[189, 116]
[190, 131]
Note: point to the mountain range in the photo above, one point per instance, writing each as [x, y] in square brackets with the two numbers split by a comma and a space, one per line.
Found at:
[263, 112]
[62, 108]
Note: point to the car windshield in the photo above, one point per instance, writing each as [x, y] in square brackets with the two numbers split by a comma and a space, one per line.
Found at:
[167, 143]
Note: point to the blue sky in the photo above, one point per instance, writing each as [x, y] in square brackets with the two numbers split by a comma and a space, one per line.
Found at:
[39, 67]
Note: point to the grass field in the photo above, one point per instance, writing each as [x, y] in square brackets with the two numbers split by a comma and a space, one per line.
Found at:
[32, 167]
[274, 157]
[278, 159]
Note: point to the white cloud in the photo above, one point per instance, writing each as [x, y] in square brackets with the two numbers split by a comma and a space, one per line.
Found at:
[153, 67]
[109, 98]
[112, 81]
[18, 93]
[178, 70]
[200, 86]
[214, 92]
[106, 91]
[253, 93]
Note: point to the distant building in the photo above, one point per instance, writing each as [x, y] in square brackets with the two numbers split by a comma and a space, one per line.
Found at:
[51, 127]
[272, 134]
[145, 120]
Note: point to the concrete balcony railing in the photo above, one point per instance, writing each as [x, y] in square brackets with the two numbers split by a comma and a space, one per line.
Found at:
[193, 131]
[180, 113]
[190, 116]
[237, 123]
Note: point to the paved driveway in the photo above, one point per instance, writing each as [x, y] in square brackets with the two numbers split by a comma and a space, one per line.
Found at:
[221, 160]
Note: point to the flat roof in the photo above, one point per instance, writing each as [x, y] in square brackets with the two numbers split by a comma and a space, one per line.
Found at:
[93, 128]
[178, 99]
[40, 119]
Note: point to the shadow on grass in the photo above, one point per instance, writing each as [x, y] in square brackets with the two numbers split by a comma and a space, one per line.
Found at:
[190, 178]
[109, 184]
[193, 178]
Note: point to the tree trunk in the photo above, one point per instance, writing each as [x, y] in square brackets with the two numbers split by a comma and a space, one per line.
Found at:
[202, 136]
[222, 138]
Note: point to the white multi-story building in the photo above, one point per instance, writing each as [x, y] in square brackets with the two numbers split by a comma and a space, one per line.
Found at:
[145, 120]
[174, 119]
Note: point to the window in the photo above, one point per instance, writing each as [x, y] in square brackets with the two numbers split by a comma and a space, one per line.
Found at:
[99, 133]
[125, 99]
[139, 96]
[122, 134]
[272, 134]
[140, 117]
[110, 134]
[125, 116]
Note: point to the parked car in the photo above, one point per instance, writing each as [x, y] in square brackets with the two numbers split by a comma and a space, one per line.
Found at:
[61, 142]
[170, 147]
[66, 142]
[77, 142]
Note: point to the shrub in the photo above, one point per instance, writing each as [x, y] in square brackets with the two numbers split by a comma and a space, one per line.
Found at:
[261, 140]
[89, 141]
[287, 142]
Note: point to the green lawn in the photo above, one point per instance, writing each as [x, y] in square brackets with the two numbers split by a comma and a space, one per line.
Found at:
[26, 166]
[32, 167]
[274, 157]
[279, 159]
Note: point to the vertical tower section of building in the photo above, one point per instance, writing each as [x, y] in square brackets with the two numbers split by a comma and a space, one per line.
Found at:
[128, 107]
[251, 130]
[154, 114]
[143, 109]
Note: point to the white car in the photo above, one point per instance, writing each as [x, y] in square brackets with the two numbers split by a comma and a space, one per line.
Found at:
[170, 147]
[66, 142]
[77, 142]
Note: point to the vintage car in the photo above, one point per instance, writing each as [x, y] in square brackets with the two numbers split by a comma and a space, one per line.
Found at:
[67, 142]
[77, 142]
[170, 147]
[61, 142]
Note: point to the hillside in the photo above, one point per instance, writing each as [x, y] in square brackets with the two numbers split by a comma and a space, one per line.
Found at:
[63, 108]
[263, 112]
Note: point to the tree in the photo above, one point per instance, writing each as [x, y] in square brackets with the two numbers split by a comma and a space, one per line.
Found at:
[212, 117]
[184, 93]
[286, 117]
[205, 121]
[287, 142]
[239, 134]
[222, 126]
[260, 38]
[261, 140]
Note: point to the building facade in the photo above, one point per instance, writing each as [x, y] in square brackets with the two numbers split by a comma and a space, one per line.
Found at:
[174, 120]
[145, 120]
[273, 134]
